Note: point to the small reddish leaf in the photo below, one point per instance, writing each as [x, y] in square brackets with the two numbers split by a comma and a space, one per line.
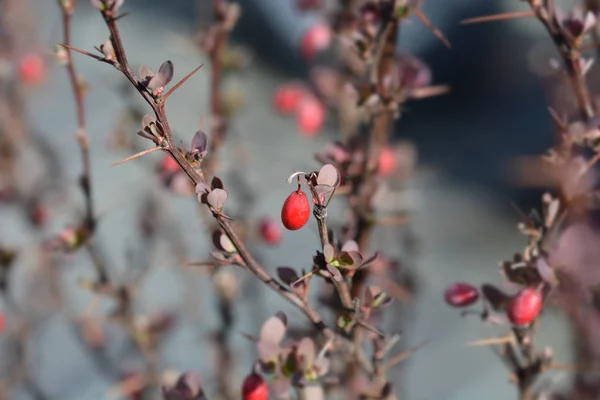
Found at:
[273, 330]
[226, 244]
[336, 274]
[146, 73]
[328, 252]
[287, 275]
[216, 198]
[350, 245]
[328, 175]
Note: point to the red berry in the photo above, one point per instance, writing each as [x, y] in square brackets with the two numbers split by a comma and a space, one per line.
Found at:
[524, 307]
[387, 162]
[288, 97]
[270, 231]
[310, 116]
[461, 294]
[168, 164]
[296, 211]
[2, 322]
[254, 388]
[317, 38]
[32, 68]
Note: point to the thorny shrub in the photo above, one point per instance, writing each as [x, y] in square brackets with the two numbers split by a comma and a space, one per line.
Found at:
[358, 76]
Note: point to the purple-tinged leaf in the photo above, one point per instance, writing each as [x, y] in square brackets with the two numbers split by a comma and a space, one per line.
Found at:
[350, 259]
[328, 252]
[350, 245]
[307, 352]
[146, 73]
[166, 71]
[287, 275]
[329, 176]
[216, 183]
[216, 198]
[199, 142]
[273, 330]
[226, 244]
[335, 273]
[147, 120]
[108, 50]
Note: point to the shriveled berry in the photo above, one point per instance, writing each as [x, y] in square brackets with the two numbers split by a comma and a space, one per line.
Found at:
[31, 68]
[387, 162]
[316, 39]
[288, 97]
[295, 211]
[524, 307]
[461, 294]
[310, 116]
[255, 388]
[270, 231]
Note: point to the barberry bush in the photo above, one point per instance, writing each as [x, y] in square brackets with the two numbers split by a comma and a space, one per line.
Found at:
[335, 342]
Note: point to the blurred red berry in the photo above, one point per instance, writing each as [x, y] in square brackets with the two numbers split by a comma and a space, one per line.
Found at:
[255, 388]
[317, 38]
[296, 210]
[387, 162]
[270, 231]
[38, 214]
[2, 322]
[461, 294]
[288, 97]
[310, 116]
[168, 164]
[32, 68]
[524, 307]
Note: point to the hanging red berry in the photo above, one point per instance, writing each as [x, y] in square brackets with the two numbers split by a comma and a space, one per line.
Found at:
[254, 388]
[461, 294]
[296, 210]
[525, 307]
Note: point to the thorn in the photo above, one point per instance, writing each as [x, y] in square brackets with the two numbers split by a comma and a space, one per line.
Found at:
[397, 359]
[498, 17]
[181, 82]
[306, 276]
[589, 46]
[118, 17]
[490, 341]
[85, 53]
[141, 153]
[560, 122]
[432, 27]
[430, 91]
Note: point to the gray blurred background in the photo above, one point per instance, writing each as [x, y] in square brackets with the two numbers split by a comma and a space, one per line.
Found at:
[460, 196]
